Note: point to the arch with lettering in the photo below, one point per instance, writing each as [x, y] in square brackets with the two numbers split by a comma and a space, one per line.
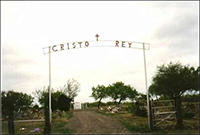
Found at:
[98, 43]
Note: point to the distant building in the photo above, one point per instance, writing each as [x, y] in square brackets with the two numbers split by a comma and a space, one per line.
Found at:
[77, 105]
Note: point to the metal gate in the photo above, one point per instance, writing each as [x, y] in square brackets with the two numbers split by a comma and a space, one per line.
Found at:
[163, 113]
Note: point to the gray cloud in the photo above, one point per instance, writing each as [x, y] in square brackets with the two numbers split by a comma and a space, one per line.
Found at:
[184, 26]
[18, 69]
[180, 34]
[13, 56]
[12, 77]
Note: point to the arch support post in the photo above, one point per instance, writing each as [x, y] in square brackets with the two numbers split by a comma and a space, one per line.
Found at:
[147, 93]
[50, 117]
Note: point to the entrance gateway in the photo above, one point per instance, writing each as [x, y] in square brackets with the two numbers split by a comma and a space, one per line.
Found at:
[97, 43]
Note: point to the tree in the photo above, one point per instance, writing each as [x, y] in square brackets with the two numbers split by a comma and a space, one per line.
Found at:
[43, 99]
[100, 92]
[113, 93]
[141, 97]
[42, 96]
[172, 81]
[12, 102]
[132, 93]
[71, 89]
[58, 99]
[64, 103]
[121, 91]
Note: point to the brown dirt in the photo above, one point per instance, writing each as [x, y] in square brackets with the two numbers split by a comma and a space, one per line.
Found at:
[91, 122]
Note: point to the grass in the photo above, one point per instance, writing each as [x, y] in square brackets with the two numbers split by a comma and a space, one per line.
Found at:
[137, 124]
[28, 125]
[58, 125]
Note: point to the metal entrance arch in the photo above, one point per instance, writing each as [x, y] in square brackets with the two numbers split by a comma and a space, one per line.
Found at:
[95, 43]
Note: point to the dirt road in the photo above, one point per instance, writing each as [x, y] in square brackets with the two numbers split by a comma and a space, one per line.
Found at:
[91, 122]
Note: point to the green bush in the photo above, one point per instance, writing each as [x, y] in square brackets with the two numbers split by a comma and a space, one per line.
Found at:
[138, 109]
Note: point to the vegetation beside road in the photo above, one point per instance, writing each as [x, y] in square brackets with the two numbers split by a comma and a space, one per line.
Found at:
[171, 81]
[138, 124]
[58, 126]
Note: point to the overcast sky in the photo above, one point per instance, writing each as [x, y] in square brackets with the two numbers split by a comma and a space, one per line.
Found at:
[171, 28]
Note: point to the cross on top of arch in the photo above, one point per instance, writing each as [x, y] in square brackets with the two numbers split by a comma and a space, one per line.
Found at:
[97, 37]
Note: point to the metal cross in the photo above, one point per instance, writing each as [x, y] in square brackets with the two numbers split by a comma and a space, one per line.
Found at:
[97, 37]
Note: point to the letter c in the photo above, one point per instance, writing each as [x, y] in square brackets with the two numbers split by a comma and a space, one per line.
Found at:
[53, 48]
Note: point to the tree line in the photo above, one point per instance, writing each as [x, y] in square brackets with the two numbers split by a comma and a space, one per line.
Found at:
[117, 91]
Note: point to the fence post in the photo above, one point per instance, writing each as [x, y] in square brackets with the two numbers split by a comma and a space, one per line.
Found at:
[151, 114]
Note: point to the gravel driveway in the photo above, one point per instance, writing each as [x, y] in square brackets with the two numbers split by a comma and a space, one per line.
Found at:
[92, 122]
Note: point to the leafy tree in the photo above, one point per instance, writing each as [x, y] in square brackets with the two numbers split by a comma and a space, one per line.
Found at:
[56, 99]
[121, 92]
[142, 97]
[132, 93]
[12, 102]
[71, 89]
[64, 103]
[15, 100]
[113, 93]
[99, 93]
[43, 95]
[60, 100]
[172, 81]
[43, 99]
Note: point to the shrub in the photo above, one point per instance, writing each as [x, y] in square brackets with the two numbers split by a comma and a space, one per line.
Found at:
[190, 110]
[138, 109]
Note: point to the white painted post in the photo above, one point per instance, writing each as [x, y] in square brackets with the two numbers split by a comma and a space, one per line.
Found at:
[50, 118]
[148, 111]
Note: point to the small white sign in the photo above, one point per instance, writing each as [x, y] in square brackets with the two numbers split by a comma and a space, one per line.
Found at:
[77, 105]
